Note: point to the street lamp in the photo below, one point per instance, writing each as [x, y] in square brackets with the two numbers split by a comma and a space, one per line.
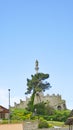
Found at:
[9, 107]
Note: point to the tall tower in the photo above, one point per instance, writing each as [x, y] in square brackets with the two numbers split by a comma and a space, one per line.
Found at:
[38, 95]
[36, 66]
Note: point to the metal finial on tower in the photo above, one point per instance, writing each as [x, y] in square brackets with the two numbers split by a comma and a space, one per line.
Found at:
[36, 66]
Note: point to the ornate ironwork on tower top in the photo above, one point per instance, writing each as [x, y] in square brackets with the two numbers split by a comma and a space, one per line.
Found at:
[36, 66]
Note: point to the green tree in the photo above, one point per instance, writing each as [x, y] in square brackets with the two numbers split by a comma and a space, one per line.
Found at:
[43, 108]
[35, 85]
[40, 108]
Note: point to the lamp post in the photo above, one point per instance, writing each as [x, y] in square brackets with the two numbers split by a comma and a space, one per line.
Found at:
[9, 107]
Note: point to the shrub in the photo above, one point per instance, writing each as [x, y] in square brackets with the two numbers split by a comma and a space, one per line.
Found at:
[20, 114]
[4, 121]
[43, 123]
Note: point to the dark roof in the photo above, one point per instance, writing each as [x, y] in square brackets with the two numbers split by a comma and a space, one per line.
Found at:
[3, 109]
[69, 121]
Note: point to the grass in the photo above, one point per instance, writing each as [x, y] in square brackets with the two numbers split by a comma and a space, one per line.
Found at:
[56, 123]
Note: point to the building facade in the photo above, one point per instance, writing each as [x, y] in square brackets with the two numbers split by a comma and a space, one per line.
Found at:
[4, 113]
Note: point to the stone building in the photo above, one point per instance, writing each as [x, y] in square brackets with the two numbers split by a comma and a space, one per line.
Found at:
[54, 101]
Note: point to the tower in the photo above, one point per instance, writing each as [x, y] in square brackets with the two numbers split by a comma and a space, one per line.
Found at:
[38, 94]
[36, 66]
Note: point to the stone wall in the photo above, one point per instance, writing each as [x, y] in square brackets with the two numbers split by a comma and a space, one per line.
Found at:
[55, 101]
[33, 126]
[50, 129]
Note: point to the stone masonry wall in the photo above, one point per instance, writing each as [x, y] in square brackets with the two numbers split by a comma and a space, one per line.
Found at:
[34, 126]
[54, 100]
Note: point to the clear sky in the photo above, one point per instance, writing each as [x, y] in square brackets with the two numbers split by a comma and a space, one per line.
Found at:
[30, 30]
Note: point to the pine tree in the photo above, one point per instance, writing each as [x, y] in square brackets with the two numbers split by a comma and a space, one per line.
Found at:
[37, 84]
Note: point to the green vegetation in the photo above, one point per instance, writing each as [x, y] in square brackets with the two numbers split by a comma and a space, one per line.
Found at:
[43, 123]
[56, 115]
[35, 85]
[56, 123]
[57, 118]
[43, 108]
[20, 114]
[47, 116]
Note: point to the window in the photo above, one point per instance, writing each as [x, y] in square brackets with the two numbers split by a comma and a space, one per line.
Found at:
[59, 107]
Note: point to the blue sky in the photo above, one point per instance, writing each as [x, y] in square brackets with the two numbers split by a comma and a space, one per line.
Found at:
[30, 30]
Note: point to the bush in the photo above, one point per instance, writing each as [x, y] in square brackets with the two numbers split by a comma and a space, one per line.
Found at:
[4, 121]
[43, 108]
[58, 116]
[20, 114]
[43, 123]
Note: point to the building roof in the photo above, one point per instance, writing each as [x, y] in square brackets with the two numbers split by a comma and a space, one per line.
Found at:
[69, 121]
[3, 109]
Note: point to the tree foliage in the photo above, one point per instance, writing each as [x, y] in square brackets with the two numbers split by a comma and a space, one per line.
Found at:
[43, 109]
[58, 115]
[37, 84]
